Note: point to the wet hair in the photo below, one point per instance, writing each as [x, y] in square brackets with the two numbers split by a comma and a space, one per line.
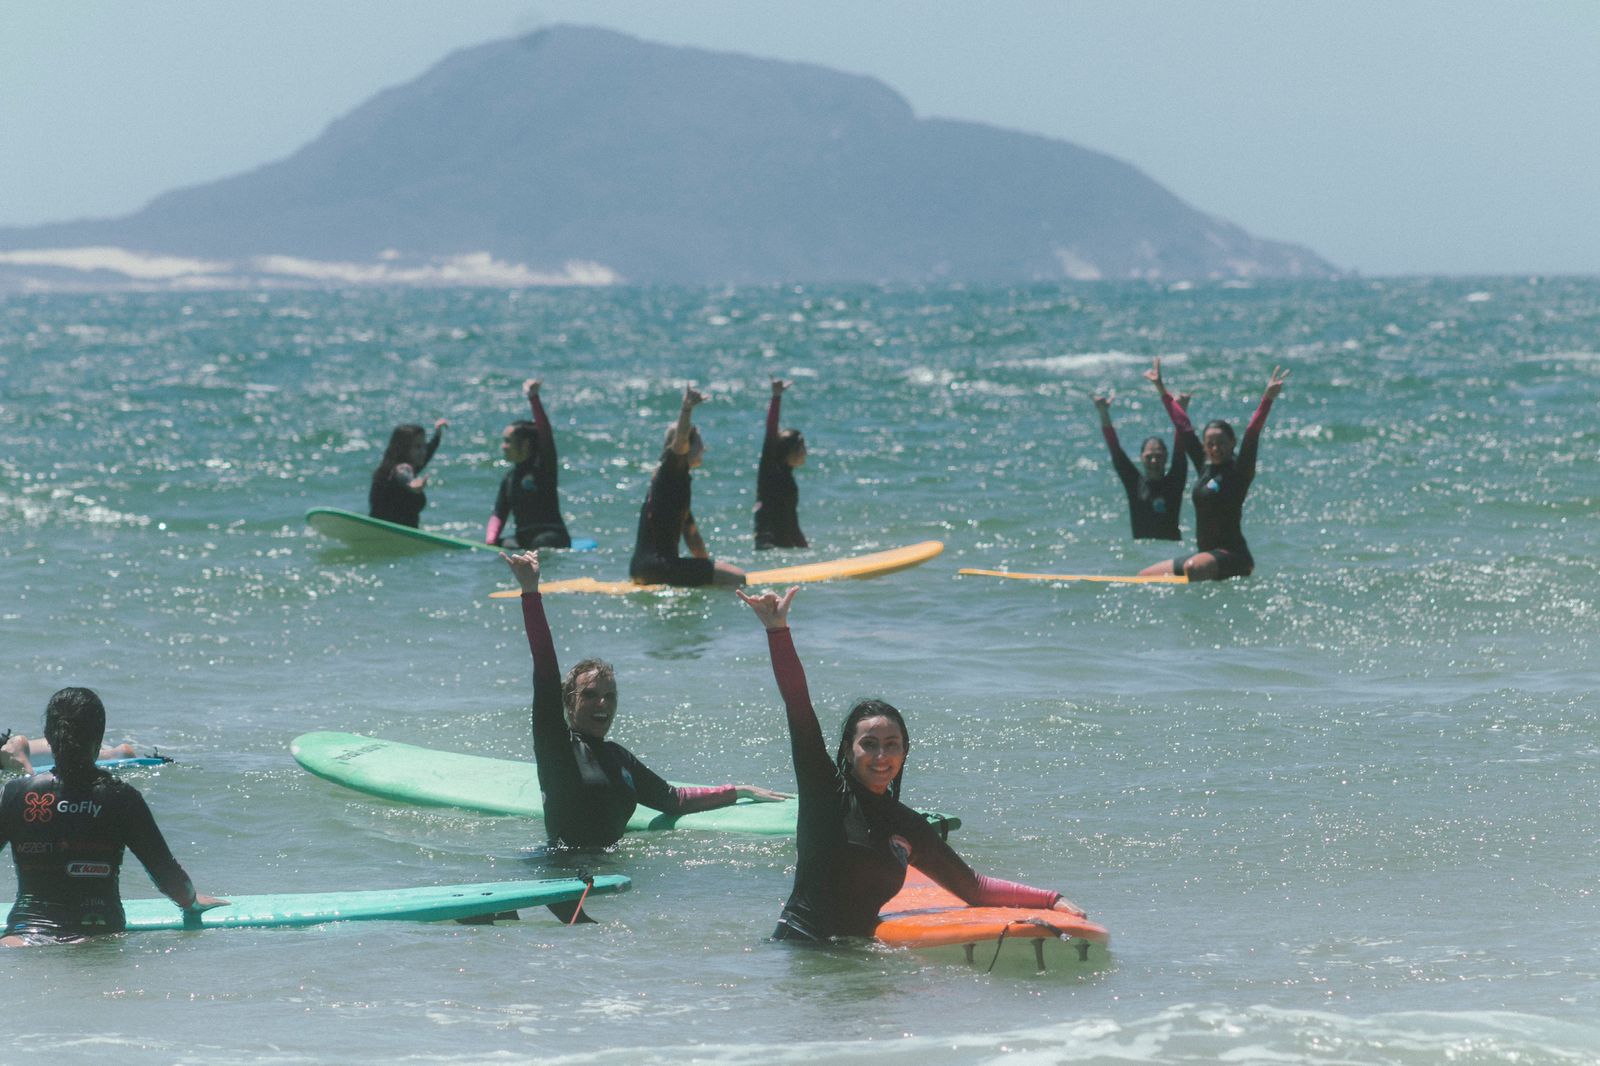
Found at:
[402, 442]
[75, 724]
[852, 721]
[569, 684]
[525, 433]
[672, 438]
[1218, 423]
[1152, 440]
[790, 441]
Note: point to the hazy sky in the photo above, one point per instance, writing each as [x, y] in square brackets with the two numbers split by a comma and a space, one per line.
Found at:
[1457, 136]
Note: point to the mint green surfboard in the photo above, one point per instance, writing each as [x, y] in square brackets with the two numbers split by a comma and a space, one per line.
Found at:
[424, 777]
[428, 904]
[363, 531]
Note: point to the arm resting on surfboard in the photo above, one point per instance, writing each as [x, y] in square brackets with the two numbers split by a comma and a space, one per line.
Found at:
[939, 861]
[656, 793]
[150, 848]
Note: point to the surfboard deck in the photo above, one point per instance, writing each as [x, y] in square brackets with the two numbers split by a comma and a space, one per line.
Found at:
[1160, 579]
[364, 531]
[132, 762]
[923, 915]
[428, 904]
[873, 564]
[424, 777]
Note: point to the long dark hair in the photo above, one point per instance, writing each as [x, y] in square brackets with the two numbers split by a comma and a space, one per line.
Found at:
[526, 433]
[871, 709]
[402, 442]
[75, 724]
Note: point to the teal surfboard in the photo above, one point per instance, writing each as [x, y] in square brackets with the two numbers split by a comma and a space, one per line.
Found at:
[132, 762]
[374, 534]
[431, 904]
[424, 777]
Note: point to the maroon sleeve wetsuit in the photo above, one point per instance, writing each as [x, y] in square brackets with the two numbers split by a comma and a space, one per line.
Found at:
[591, 787]
[1220, 489]
[1152, 505]
[67, 842]
[661, 523]
[854, 844]
[777, 495]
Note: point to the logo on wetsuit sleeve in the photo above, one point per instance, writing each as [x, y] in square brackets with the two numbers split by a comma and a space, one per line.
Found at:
[37, 807]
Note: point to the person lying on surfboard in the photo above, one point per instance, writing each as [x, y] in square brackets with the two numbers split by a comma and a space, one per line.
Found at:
[17, 752]
[67, 828]
[396, 494]
[854, 836]
[528, 492]
[1155, 491]
[591, 785]
[777, 496]
[1222, 481]
[665, 516]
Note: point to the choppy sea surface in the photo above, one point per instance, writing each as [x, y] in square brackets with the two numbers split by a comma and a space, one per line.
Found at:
[1344, 811]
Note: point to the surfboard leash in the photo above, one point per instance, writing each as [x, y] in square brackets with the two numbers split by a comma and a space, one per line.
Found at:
[588, 882]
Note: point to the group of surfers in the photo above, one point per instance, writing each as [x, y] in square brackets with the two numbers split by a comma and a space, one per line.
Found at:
[527, 508]
[68, 827]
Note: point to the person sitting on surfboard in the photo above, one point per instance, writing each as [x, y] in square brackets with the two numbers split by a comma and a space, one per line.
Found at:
[396, 494]
[528, 492]
[17, 752]
[592, 785]
[67, 828]
[777, 496]
[1221, 482]
[854, 836]
[665, 516]
[1155, 491]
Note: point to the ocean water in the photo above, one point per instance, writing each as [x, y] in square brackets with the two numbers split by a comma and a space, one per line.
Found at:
[1341, 812]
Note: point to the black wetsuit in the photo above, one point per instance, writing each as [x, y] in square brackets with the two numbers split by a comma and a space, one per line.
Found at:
[67, 842]
[662, 520]
[854, 845]
[1219, 492]
[393, 499]
[528, 493]
[1152, 505]
[591, 787]
[777, 495]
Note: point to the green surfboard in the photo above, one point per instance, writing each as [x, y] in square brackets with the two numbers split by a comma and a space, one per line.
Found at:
[429, 904]
[425, 777]
[374, 534]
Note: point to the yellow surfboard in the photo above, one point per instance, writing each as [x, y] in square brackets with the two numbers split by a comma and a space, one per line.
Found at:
[1159, 579]
[874, 564]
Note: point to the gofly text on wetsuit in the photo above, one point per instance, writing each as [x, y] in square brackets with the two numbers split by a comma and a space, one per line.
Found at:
[662, 520]
[393, 499]
[67, 843]
[777, 495]
[854, 844]
[1152, 505]
[591, 787]
[528, 493]
[1219, 491]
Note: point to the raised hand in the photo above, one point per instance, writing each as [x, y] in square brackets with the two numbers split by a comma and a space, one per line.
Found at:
[1275, 382]
[1102, 403]
[779, 386]
[530, 387]
[773, 611]
[440, 423]
[693, 397]
[1183, 399]
[525, 565]
[1153, 375]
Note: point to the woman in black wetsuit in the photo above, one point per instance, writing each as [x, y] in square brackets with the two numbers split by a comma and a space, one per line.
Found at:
[1222, 480]
[1155, 491]
[592, 785]
[666, 517]
[777, 496]
[396, 492]
[67, 828]
[528, 492]
[855, 837]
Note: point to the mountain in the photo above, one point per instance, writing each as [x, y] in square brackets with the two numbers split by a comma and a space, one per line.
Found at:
[584, 154]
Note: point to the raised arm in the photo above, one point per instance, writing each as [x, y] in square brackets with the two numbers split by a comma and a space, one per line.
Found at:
[813, 768]
[1178, 414]
[1119, 459]
[773, 407]
[541, 423]
[433, 442]
[549, 721]
[685, 425]
[1175, 466]
[1258, 421]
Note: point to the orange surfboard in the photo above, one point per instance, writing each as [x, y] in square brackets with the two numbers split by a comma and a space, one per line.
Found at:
[924, 915]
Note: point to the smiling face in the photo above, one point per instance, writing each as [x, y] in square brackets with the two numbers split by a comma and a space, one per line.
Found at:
[1153, 457]
[593, 704]
[1218, 444]
[877, 753]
